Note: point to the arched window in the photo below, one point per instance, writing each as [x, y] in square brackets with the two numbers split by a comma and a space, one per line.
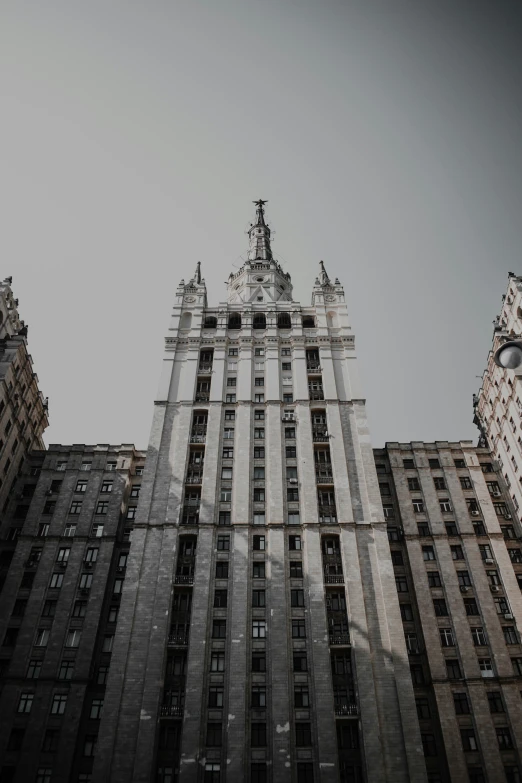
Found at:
[186, 320]
[283, 321]
[259, 321]
[234, 321]
[331, 320]
[210, 322]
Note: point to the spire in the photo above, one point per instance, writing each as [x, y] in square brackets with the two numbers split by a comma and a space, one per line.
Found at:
[323, 275]
[197, 273]
[259, 235]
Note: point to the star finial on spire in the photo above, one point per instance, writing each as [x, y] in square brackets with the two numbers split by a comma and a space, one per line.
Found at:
[260, 212]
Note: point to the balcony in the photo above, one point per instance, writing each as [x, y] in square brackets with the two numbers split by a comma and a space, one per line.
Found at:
[205, 368]
[346, 710]
[171, 711]
[316, 394]
[313, 365]
[182, 579]
[190, 517]
[327, 514]
[323, 475]
[194, 477]
[178, 640]
[339, 639]
[202, 396]
[334, 579]
[198, 434]
[320, 434]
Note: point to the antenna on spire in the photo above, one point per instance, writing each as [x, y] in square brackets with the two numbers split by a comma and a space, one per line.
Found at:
[197, 273]
[323, 275]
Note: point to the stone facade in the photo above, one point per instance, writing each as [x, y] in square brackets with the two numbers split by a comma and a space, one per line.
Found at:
[455, 545]
[259, 632]
[59, 606]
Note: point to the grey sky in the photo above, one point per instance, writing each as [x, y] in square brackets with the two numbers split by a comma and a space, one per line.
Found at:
[385, 135]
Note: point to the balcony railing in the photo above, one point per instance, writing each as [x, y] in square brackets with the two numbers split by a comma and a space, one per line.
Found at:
[324, 475]
[320, 434]
[334, 579]
[346, 709]
[194, 478]
[205, 367]
[190, 519]
[183, 579]
[339, 639]
[198, 434]
[178, 640]
[313, 364]
[317, 394]
[171, 711]
[202, 396]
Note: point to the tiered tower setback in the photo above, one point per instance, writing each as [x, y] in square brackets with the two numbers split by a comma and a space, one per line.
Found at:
[259, 635]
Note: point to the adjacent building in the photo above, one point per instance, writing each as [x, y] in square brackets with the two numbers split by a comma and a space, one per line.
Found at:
[259, 635]
[59, 605]
[455, 548]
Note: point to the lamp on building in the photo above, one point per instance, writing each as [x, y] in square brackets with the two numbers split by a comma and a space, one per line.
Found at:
[509, 355]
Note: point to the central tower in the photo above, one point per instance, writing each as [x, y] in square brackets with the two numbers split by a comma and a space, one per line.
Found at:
[259, 636]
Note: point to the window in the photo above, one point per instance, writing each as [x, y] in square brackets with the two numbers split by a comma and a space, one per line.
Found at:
[296, 569]
[226, 473]
[220, 598]
[510, 634]
[298, 629]
[139, 470]
[96, 708]
[434, 463]
[107, 643]
[384, 489]
[76, 507]
[446, 637]
[219, 629]
[445, 505]
[63, 555]
[43, 529]
[85, 581]
[259, 495]
[259, 381]
[259, 452]
[515, 555]
[258, 735]
[479, 636]
[222, 569]
[135, 490]
[258, 570]
[97, 530]
[214, 734]
[303, 735]
[103, 673]
[297, 598]
[223, 543]
[259, 518]
[26, 702]
[91, 555]
[501, 605]
[212, 771]
[397, 558]
[401, 584]
[460, 700]
[107, 487]
[33, 670]
[406, 612]
[259, 543]
[469, 741]
[512, 774]
[258, 629]
[118, 586]
[15, 740]
[42, 637]
[495, 702]
[471, 607]
[258, 598]
[230, 398]
[294, 543]
[451, 528]
[19, 607]
[453, 669]
[479, 529]
[43, 775]
[299, 661]
[485, 666]
[456, 552]
[428, 745]
[418, 506]
[259, 662]
[66, 670]
[228, 452]
[230, 415]
[423, 708]
[58, 704]
[294, 518]
[465, 482]
[504, 738]
[305, 772]
[73, 638]
[232, 381]
[463, 579]
[113, 614]
[89, 744]
[441, 610]
[79, 609]
[259, 398]
[224, 518]
[217, 662]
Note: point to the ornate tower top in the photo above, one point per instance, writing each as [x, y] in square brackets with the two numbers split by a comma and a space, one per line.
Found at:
[259, 235]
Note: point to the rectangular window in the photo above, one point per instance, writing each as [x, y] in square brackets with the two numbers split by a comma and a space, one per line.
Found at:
[232, 381]
[439, 483]
[56, 580]
[223, 543]
[106, 487]
[294, 543]
[220, 598]
[58, 704]
[222, 569]
[76, 507]
[401, 584]
[258, 735]
[258, 598]
[303, 735]
[214, 735]
[258, 629]
[479, 636]
[510, 634]
[445, 505]
[296, 569]
[258, 570]
[107, 643]
[33, 670]
[418, 505]
[441, 610]
[85, 581]
[103, 673]
[291, 452]
[26, 702]
[42, 637]
[453, 669]
[434, 579]
[230, 415]
[259, 381]
[97, 531]
[259, 518]
[66, 670]
[259, 433]
[297, 598]
[461, 703]
[428, 553]
[226, 474]
[219, 629]
[456, 552]
[471, 607]
[91, 555]
[469, 741]
[294, 518]
[259, 543]
[259, 495]
[434, 463]
[229, 433]
[96, 709]
[298, 629]
[299, 661]
[217, 662]
[259, 452]
[224, 518]
[446, 637]
[230, 398]
[73, 638]
[79, 609]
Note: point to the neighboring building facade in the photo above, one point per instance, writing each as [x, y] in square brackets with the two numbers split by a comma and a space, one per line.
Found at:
[59, 605]
[259, 635]
[498, 405]
[23, 410]
[455, 547]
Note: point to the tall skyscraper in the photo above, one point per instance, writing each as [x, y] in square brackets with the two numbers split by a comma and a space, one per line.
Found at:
[259, 635]
[498, 405]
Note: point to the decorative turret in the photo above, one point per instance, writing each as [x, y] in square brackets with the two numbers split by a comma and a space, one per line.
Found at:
[261, 279]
